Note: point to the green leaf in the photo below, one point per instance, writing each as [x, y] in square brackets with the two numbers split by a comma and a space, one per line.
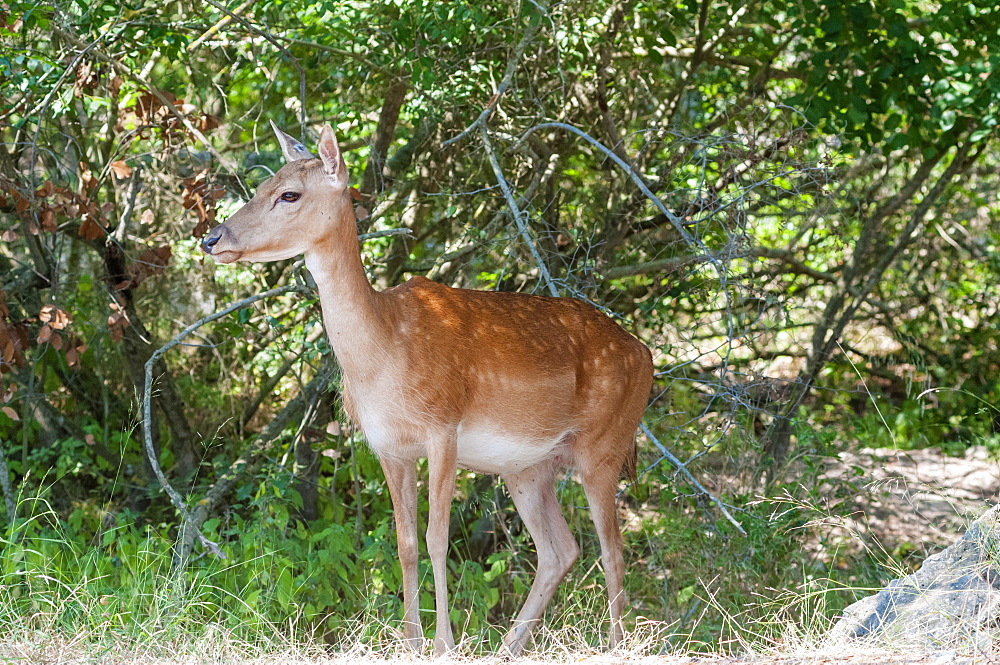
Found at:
[948, 119]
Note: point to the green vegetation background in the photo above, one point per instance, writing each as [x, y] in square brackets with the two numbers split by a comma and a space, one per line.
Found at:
[822, 276]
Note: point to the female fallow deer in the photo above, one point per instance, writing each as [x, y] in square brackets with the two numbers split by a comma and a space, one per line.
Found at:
[510, 384]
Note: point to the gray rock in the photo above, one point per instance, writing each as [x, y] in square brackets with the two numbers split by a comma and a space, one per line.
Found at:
[952, 601]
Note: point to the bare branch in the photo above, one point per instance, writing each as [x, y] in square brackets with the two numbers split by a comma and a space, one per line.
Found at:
[372, 181]
[637, 178]
[384, 233]
[519, 216]
[226, 163]
[680, 466]
[656, 266]
[281, 49]
[223, 22]
[147, 408]
[505, 82]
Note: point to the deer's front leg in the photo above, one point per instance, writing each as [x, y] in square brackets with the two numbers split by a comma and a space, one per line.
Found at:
[442, 454]
[401, 477]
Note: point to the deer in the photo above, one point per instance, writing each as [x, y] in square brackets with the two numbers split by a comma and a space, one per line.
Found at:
[512, 384]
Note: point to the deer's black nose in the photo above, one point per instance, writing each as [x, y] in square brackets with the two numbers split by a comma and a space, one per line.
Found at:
[211, 239]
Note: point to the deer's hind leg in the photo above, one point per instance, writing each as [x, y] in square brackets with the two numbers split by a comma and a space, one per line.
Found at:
[534, 495]
[600, 482]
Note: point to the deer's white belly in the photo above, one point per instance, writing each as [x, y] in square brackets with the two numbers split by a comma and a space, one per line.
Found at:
[404, 431]
[491, 451]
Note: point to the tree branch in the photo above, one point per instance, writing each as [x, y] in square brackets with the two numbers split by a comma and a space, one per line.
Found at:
[682, 467]
[147, 415]
[227, 164]
[505, 83]
[374, 173]
[519, 216]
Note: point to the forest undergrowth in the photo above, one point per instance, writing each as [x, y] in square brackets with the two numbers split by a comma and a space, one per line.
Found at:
[693, 588]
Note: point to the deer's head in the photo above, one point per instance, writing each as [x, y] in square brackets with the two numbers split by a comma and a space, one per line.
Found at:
[290, 212]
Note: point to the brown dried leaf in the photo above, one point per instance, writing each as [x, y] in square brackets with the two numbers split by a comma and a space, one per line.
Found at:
[20, 203]
[56, 317]
[13, 338]
[87, 77]
[117, 323]
[199, 197]
[206, 122]
[90, 230]
[121, 169]
[87, 178]
[11, 413]
[44, 334]
[63, 195]
[361, 213]
[202, 227]
[56, 341]
[148, 106]
[48, 220]
[45, 190]
[150, 262]
[73, 354]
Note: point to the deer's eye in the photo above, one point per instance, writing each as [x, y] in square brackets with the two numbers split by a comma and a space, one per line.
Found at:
[290, 197]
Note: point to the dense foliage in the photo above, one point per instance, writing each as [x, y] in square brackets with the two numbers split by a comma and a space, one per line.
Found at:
[791, 203]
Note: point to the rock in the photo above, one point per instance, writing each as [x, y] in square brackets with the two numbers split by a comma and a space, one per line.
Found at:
[951, 602]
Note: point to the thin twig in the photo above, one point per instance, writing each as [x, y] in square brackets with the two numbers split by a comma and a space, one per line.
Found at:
[223, 22]
[637, 178]
[505, 83]
[226, 163]
[8, 494]
[386, 232]
[516, 212]
[337, 51]
[680, 466]
[281, 49]
[147, 408]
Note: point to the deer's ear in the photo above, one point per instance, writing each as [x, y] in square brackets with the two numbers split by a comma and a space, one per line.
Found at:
[333, 162]
[290, 146]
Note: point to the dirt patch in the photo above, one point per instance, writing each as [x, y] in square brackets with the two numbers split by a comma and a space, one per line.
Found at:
[920, 500]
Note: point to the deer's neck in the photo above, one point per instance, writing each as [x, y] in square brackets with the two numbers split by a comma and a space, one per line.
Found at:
[353, 314]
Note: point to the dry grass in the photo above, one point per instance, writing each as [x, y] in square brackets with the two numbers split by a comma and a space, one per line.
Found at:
[219, 651]
[643, 647]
